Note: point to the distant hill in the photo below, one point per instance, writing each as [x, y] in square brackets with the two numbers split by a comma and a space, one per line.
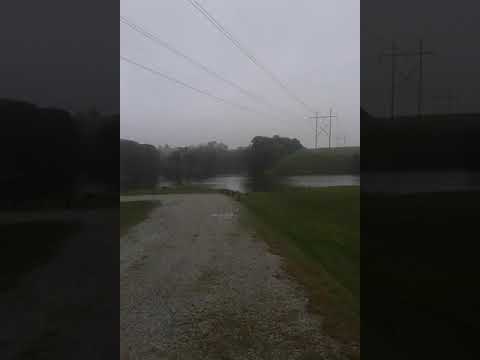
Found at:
[344, 160]
[434, 142]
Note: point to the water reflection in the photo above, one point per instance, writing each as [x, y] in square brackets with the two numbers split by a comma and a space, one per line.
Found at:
[386, 182]
[269, 183]
[417, 182]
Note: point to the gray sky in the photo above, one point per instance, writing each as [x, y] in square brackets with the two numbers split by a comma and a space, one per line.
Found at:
[312, 46]
[449, 29]
[61, 53]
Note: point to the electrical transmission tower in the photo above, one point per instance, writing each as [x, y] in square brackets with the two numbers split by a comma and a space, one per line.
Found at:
[394, 54]
[420, 55]
[316, 117]
[329, 117]
[329, 133]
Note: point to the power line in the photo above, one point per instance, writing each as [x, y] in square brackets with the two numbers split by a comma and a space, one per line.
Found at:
[247, 53]
[179, 82]
[141, 30]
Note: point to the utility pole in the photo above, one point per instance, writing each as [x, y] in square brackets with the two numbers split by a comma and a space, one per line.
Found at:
[330, 116]
[420, 79]
[330, 130]
[316, 117]
[420, 54]
[316, 128]
[394, 54]
[392, 100]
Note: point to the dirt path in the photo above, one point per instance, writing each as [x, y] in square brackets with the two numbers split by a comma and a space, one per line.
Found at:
[197, 284]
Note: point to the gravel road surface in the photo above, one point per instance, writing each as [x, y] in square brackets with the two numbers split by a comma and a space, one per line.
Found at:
[196, 283]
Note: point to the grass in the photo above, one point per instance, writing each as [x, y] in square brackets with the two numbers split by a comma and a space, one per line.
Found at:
[63, 202]
[317, 231]
[133, 213]
[28, 245]
[435, 142]
[421, 268]
[321, 161]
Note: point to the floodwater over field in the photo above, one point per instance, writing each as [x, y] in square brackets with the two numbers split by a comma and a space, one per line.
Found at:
[378, 182]
[245, 184]
[418, 182]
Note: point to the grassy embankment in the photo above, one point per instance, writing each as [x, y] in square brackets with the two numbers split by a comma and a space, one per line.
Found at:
[317, 231]
[322, 161]
[434, 142]
[133, 213]
[421, 269]
[28, 245]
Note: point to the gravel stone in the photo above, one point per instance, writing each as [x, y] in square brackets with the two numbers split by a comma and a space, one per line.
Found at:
[197, 284]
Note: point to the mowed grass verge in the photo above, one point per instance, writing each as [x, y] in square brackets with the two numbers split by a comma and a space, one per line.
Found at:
[29, 245]
[317, 232]
[419, 251]
[321, 161]
[133, 213]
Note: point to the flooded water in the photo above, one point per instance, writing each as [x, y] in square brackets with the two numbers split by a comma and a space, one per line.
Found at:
[418, 182]
[391, 182]
[245, 184]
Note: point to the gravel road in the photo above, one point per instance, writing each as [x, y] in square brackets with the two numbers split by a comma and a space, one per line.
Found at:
[195, 283]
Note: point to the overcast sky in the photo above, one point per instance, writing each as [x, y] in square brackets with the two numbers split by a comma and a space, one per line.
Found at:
[450, 29]
[61, 53]
[311, 46]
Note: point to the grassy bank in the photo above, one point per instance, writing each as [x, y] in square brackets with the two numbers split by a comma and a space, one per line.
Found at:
[435, 142]
[322, 161]
[317, 231]
[133, 213]
[419, 251]
[26, 246]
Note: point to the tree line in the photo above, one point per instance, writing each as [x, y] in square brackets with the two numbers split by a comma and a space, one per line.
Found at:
[141, 165]
[48, 153]
[408, 143]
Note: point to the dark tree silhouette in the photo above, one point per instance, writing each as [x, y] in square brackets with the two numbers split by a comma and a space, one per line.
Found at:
[264, 152]
[40, 153]
[434, 142]
[139, 165]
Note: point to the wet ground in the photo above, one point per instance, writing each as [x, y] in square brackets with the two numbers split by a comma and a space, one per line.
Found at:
[196, 283]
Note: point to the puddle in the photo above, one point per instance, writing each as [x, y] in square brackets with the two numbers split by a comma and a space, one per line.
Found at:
[224, 215]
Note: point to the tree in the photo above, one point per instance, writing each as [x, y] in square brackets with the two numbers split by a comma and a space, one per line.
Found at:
[139, 165]
[264, 152]
[40, 153]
